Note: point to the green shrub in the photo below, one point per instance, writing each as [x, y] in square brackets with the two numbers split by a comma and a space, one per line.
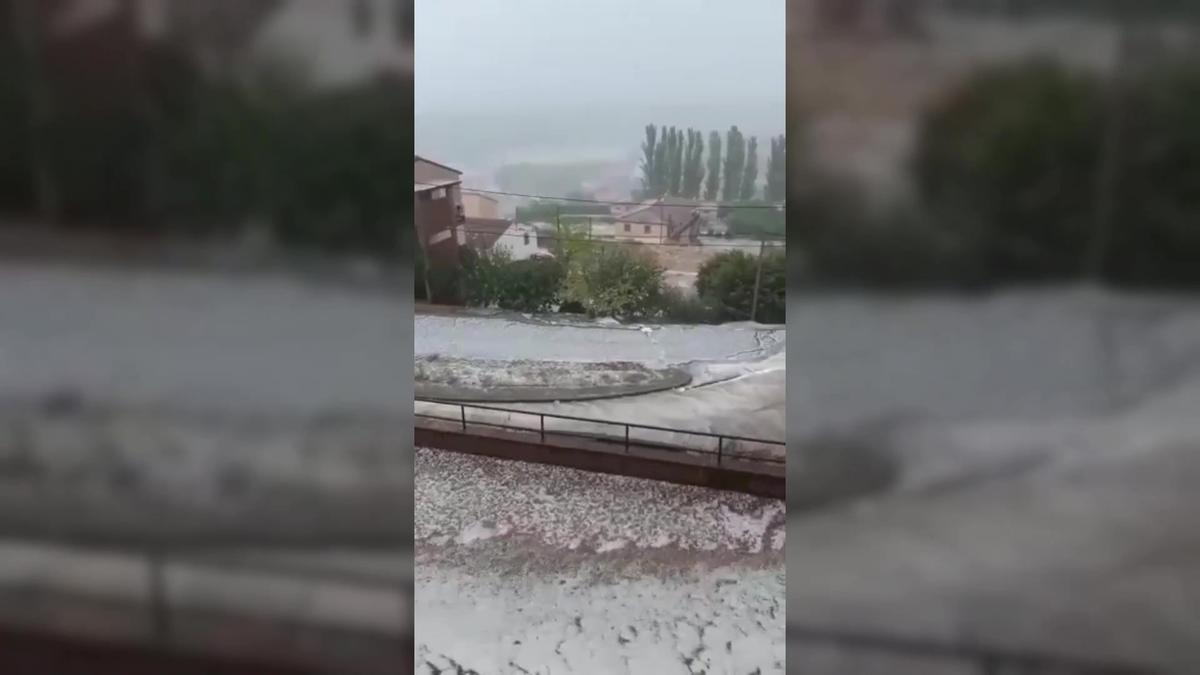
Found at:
[675, 306]
[532, 285]
[493, 279]
[483, 276]
[1156, 220]
[571, 307]
[615, 281]
[726, 281]
[1006, 164]
[340, 161]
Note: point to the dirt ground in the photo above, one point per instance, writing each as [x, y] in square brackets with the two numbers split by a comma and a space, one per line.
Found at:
[683, 258]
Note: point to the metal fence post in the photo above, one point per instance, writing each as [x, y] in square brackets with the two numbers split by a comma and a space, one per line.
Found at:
[463, 409]
[542, 419]
[720, 442]
[627, 439]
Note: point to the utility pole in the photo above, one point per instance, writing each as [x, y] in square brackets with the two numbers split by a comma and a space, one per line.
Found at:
[762, 245]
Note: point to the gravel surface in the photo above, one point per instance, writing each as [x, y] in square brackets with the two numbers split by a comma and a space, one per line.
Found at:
[488, 374]
[463, 498]
[609, 574]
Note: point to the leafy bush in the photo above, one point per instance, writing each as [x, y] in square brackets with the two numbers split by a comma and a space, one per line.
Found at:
[675, 306]
[1156, 220]
[1007, 166]
[840, 243]
[726, 281]
[16, 183]
[223, 163]
[534, 284]
[100, 152]
[615, 281]
[571, 307]
[483, 275]
[493, 279]
[339, 164]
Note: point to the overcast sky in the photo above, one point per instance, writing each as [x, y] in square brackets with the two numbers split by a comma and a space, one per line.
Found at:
[514, 54]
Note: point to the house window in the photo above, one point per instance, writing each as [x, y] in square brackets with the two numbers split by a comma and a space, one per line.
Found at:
[645, 229]
[626, 227]
[526, 238]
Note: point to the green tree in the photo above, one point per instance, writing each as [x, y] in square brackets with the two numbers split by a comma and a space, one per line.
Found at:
[735, 163]
[776, 190]
[727, 280]
[615, 281]
[648, 170]
[713, 179]
[750, 175]
[677, 164]
[693, 174]
[660, 164]
[685, 181]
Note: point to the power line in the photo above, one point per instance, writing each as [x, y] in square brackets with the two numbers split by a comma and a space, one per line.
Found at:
[715, 205]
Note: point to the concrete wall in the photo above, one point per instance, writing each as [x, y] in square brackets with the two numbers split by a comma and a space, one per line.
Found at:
[639, 232]
[480, 206]
[639, 466]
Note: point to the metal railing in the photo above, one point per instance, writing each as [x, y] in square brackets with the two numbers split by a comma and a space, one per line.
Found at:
[158, 593]
[724, 445]
[984, 660]
[160, 609]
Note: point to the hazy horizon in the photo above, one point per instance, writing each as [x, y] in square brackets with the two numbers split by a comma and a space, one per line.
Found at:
[547, 81]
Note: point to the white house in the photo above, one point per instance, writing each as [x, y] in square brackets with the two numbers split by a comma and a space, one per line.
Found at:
[521, 241]
[493, 234]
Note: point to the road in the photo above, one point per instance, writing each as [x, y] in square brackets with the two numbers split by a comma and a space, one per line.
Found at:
[1047, 451]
